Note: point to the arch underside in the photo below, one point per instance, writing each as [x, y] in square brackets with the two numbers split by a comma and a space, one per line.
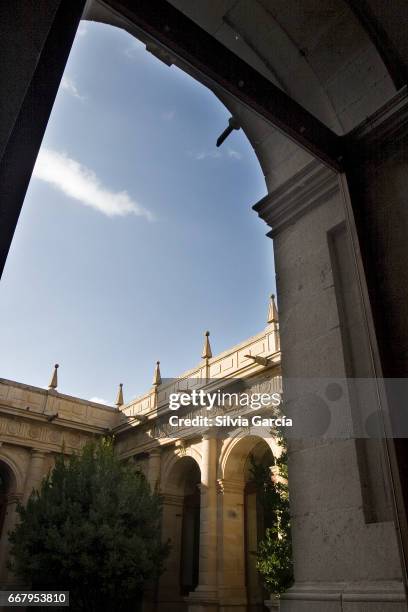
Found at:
[318, 54]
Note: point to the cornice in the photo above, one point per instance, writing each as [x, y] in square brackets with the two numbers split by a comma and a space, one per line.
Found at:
[42, 418]
[311, 186]
[56, 394]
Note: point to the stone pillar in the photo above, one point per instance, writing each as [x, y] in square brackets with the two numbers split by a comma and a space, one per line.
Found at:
[254, 588]
[205, 597]
[231, 548]
[345, 549]
[153, 469]
[10, 520]
[35, 473]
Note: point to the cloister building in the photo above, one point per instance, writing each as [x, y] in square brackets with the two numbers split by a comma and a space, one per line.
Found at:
[210, 513]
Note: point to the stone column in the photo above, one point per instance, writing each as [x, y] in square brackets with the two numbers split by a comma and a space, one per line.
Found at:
[205, 597]
[153, 469]
[345, 548]
[10, 519]
[35, 472]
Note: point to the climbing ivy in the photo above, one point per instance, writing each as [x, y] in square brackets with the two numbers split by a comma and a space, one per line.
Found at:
[274, 555]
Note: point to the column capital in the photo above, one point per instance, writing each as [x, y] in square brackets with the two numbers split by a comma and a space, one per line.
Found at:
[172, 500]
[181, 447]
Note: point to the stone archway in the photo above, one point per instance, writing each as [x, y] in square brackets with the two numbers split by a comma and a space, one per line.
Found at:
[181, 525]
[242, 521]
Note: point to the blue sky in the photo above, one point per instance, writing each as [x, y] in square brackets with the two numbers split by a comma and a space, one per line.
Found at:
[136, 234]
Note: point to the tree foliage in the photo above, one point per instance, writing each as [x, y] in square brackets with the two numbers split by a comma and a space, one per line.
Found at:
[93, 529]
[274, 555]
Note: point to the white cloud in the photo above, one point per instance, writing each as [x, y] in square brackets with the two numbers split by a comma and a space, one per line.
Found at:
[234, 154]
[215, 154]
[199, 155]
[99, 400]
[69, 86]
[80, 183]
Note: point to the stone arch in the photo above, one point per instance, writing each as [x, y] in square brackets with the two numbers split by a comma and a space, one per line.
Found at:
[181, 524]
[16, 474]
[171, 464]
[241, 527]
[316, 41]
[236, 450]
[322, 51]
[179, 473]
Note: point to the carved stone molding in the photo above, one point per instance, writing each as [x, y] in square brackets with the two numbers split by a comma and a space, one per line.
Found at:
[181, 447]
[311, 186]
[43, 437]
[172, 500]
[380, 591]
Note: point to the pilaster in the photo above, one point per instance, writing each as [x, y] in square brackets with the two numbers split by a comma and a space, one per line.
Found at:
[232, 580]
[345, 561]
[9, 523]
[169, 597]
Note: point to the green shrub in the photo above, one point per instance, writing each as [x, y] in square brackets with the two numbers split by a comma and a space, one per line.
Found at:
[93, 529]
